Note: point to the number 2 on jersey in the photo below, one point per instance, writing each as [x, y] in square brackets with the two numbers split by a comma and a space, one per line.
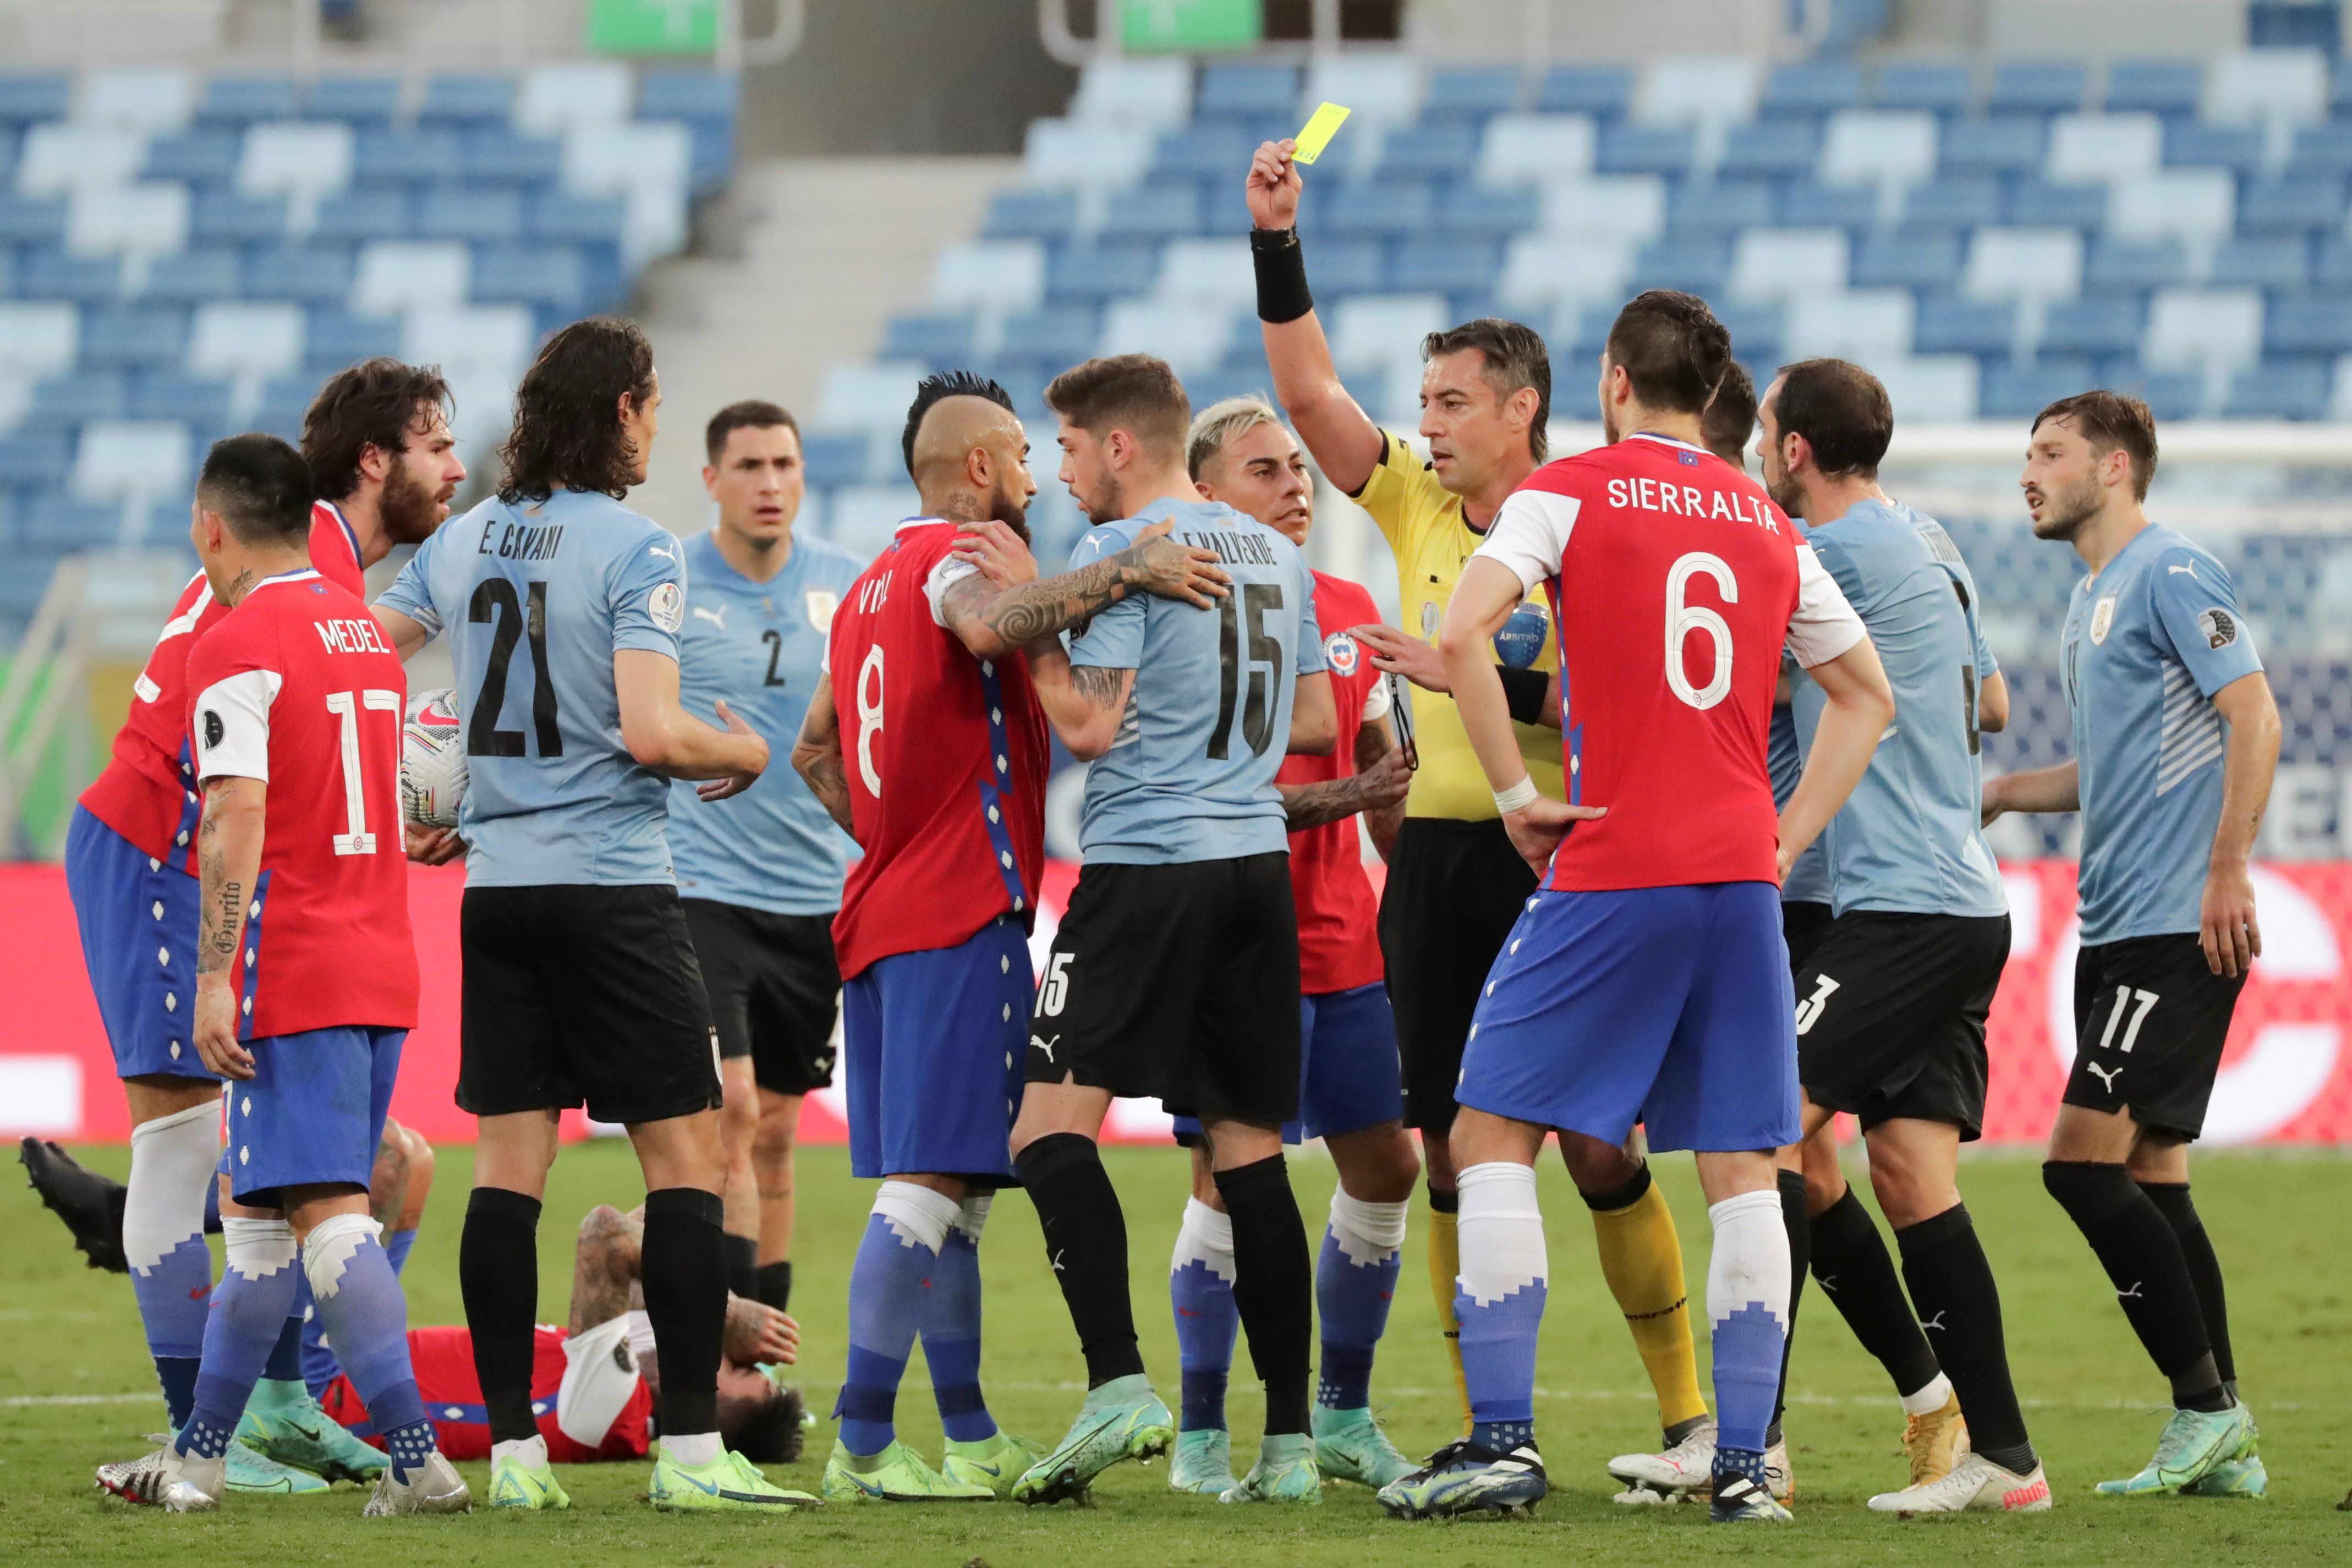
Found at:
[1256, 599]
[494, 601]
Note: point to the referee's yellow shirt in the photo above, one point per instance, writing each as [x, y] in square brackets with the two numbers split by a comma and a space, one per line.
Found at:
[1425, 530]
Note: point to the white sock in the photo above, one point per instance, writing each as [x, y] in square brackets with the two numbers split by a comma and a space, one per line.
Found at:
[1749, 1261]
[692, 1449]
[971, 1215]
[530, 1452]
[1205, 1238]
[257, 1249]
[918, 1213]
[1368, 1233]
[1501, 1231]
[1930, 1398]
[172, 1157]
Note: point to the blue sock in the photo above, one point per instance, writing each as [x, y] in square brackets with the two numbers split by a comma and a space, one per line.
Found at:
[1355, 1280]
[248, 1317]
[1498, 1299]
[1747, 1375]
[285, 1363]
[174, 1296]
[398, 1247]
[366, 1319]
[1200, 1291]
[951, 1341]
[889, 1286]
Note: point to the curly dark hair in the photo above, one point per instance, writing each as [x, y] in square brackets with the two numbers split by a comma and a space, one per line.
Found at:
[371, 403]
[567, 432]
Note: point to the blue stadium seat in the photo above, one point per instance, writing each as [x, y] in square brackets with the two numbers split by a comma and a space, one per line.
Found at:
[2008, 390]
[2155, 87]
[63, 402]
[333, 338]
[228, 217]
[2011, 145]
[1090, 274]
[2310, 324]
[2322, 150]
[35, 459]
[1604, 93]
[2296, 203]
[2170, 395]
[239, 101]
[458, 100]
[932, 339]
[2331, 263]
[2121, 264]
[1952, 203]
[2279, 389]
[34, 220]
[193, 276]
[1241, 92]
[560, 215]
[1064, 333]
[1810, 88]
[7, 271]
[688, 95]
[387, 157]
[1771, 148]
[1449, 150]
[472, 213]
[28, 100]
[197, 157]
[310, 274]
[58, 521]
[1808, 203]
[199, 404]
[494, 154]
[285, 401]
[1477, 212]
[2192, 145]
[1355, 211]
[1755, 329]
[47, 272]
[2036, 87]
[837, 457]
[1698, 210]
[133, 336]
[1694, 265]
[1214, 152]
[1338, 267]
[548, 277]
[2268, 262]
[1032, 214]
[1444, 264]
[1942, 86]
[2035, 203]
[1945, 325]
[383, 213]
[1169, 211]
[1929, 261]
[2103, 324]
[1643, 149]
[356, 100]
[1469, 94]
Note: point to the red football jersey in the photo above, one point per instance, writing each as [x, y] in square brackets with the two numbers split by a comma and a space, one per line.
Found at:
[442, 1359]
[1675, 583]
[946, 756]
[1338, 918]
[298, 686]
[146, 794]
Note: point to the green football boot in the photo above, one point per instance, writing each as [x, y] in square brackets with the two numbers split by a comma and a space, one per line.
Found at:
[516, 1484]
[2195, 1443]
[1202, 1462]
[1123, 1419]
[1284, 1472]
[2246, 1477]
[730, 1482]
[897, 1474]
[257, 1475]
[993, 1462]
[283, 1423]
[1351, 1446]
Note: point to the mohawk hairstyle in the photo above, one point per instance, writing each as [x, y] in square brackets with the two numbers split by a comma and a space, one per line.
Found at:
[934, 390]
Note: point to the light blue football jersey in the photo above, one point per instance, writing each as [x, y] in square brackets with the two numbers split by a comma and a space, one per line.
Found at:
[535, 600]
[1808, 881]
[759, 647]
[2148, 643]
[1191, 776]
[1909, 839]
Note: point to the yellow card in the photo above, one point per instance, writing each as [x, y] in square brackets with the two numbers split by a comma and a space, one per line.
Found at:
[1317, 133]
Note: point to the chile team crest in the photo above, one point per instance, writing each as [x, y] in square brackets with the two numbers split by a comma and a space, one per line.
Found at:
[1341, 653]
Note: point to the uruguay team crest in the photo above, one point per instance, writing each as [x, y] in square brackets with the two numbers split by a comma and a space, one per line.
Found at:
[822, 602]
[2103, 615]
[1341, 652]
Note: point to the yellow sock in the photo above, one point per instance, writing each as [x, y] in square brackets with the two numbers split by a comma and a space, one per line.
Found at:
[1444, 1265]
[1642, 1259]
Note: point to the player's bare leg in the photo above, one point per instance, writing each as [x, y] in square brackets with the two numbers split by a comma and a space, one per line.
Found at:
[772, 1171]
[739, 1124]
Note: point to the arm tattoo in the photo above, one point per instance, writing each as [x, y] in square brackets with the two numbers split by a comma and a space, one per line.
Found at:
[222, 912]
[605, 1268]
[1320, 805]
[1035, 611]
[1097, 685]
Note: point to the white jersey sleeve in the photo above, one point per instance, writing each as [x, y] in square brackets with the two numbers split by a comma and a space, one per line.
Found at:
[600, 1376]
[1530, 535]
[1377, 701]
[1825, 625]
[232, 725]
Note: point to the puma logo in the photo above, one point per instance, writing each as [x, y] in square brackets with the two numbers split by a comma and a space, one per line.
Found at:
[664, 552]
[2105, 1075]
[717, 617]
[1827, 1282]
[2188, 572]
[1936, 1322]
[1061, 1253]
[1045, 1044]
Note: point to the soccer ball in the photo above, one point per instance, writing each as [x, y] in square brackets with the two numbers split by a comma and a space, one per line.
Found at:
[432, 760]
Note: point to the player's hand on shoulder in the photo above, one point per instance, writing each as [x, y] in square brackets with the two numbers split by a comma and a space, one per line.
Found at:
[1274, 185]
[755, 760]
[214, 1027]
[1537, 829]
[997, 551]
[432, 845]
[1402, 653]
[1158, 565]
[1387, 782]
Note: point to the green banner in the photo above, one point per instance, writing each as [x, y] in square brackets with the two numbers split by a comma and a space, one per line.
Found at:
[1190, 24]
[653, 27]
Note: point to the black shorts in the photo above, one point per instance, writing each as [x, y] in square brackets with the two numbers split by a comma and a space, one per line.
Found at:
[1177, 982]
[584, 994]
[1454, 890]
[775, 987]
[1891, 1017]
[2150, 1020]
[1802, 926]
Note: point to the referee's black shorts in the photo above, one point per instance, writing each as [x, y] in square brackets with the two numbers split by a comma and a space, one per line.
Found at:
[1454, 890]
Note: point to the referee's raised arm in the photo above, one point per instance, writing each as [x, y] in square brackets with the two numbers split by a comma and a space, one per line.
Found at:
[1339, 435]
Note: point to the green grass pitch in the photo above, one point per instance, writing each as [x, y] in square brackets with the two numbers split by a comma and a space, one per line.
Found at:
[75, 1389]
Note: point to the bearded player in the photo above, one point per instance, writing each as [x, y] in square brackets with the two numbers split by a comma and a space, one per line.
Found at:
[1646, 978]
[928, 745]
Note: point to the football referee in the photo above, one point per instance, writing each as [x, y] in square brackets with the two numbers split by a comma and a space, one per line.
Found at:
[1454, 883]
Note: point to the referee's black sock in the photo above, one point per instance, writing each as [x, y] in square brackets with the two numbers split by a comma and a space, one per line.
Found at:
[1273, 1285]
[684, 1276]
[742, 1266]
[1850, 1264]
[2171, 1200]
[2144, 1260]
[1086, 1242]
[1800, 1226]
[1952, 1287]
[498, 1275]
[773, 1285]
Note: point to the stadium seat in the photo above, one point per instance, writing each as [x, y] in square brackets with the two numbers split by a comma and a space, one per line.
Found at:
[494, 154]
[1378, 328]
[309, 274]
[841, 458]
[1536, 148]
[646, 163]
[1190, 335]
[2034, 203]
[2190, 144]
[2266, 263]
[1444, 264]
[224, 217]
[1628, 209]
[1770, 149]
[1704, 210]
[303, 161]
[1090, 274]
[1469, 94]
[1247, 92]
[2023, 264]
[1360, 210]
[549, 278]
[1380, 89]
[2170, 88]
[2008, 146]
[59, 156]
[2085, 148]
[140, 221]
[1215, 272]
[2211, 332]
[1545, 271]
[1694, 266]
[29, 99]
[1700, 89]
[335, 338]
[1154, 93]
[2305, 202]
[65, 402]
[1779, 264]
[1756, 330]
[1060, 335]
[149, 99]
[2036, 87]
[198, 157]
[1643, 149]
[1444, 151]
[359, 101]
[1810, 88]
[1216, 152]
[2022, 390]
[132, 336]
[2280, 389]
[1946, 325]
[934, 340]
[35, 460]
[237, 101]
[201, 404]
[191, 276]
[1476, 211]
[1604, 93]
[2107, 325]
[2277, 89]
[1938, 389]
[1940, 87]
[245, 343]
[132, 461]
[556, 98]
[373, 215]
[394, 276]
[2134, 265]
[1929, 261]
[1152, 212]
[2308, 325]
[1024, 213]
[1809, 203]
[1887, 150]
[2196, 207]
[994, 275]
[454, 99]
[560, 215]
[1952, 203]
[1870, 325]
[382, 157]
[37, 340]
[862, 516]
[48, 272]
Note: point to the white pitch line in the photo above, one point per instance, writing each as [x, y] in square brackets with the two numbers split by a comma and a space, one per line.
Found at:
[21, 1400]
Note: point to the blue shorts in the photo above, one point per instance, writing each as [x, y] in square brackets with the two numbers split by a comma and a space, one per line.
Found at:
[1348, 1074]
[138, 921]
[933, 1047]
[312, 1112]
[1671, 1007]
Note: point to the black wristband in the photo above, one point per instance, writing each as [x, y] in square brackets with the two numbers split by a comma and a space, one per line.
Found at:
[1282, 293]
[1524, 689]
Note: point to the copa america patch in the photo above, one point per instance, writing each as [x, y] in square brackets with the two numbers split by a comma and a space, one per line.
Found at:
[214, 730]
[666, 605]
[1341, 652]
[2220, 628]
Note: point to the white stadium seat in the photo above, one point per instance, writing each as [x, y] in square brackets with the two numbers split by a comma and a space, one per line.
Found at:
[303, 160]
[399, 275]
[1781, 263]
[483, 351]
[1879, 147]
[1700, 90]
[1209, 272]
[239, 339]
[1376, 329]
[1929, 389]
[1628, 209]
[148, 99]
[2195, 206]
[1153, 93]
[1535, 149]
[36, 341]
[643, 161]
[137, 462]
[556, 100]
[1075, 156]
[1865, 324]
[998, 275]
[2091, 148]
[2204, 329]
[2277, 89]
[868, 397]
[145, 220]
[63, 156]
[1191, 336]
[1549, 270]
[2023, 264]
[1378, 89]
[863, 517]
